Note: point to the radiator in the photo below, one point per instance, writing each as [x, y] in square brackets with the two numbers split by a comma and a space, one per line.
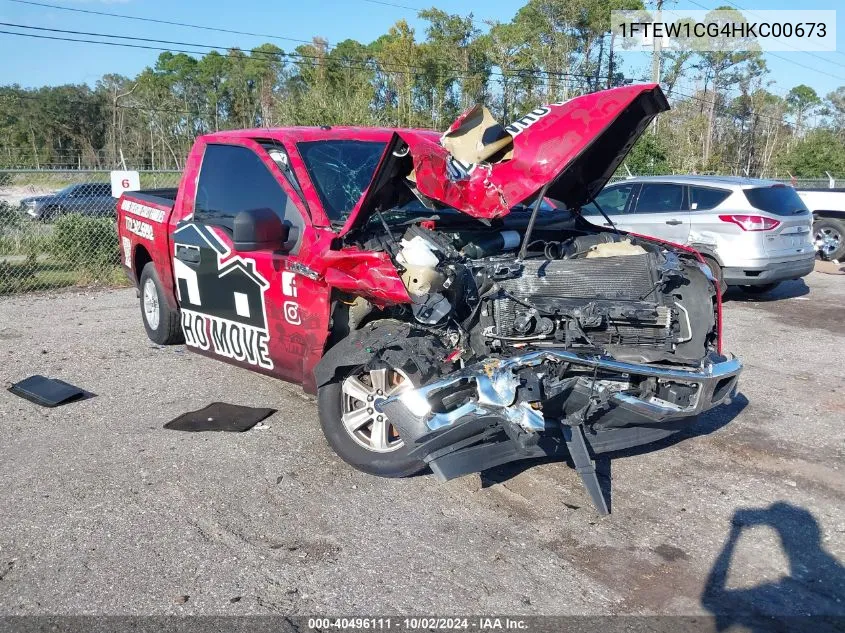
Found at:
[617, 278]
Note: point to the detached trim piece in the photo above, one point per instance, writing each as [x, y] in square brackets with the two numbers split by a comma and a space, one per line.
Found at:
[47, 392]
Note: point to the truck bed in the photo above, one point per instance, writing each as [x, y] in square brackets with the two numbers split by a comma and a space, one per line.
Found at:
[142, 225]
[164, 196]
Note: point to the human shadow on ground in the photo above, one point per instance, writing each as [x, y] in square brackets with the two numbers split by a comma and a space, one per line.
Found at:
[810, 598]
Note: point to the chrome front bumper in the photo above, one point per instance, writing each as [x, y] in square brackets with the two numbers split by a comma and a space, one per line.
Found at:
[419, 414]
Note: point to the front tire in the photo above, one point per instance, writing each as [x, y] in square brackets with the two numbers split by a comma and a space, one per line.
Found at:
[361, 436]
[50, 214]
[352, 426]
[161, 323]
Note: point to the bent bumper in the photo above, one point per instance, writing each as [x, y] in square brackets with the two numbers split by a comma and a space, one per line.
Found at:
[486, 415]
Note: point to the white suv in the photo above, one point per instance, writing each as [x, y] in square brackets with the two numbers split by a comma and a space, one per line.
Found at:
[753, 233]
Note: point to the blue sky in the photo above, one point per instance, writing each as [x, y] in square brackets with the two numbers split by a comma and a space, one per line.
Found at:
[31, 62]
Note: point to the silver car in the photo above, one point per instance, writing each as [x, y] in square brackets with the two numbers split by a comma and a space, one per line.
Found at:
[753, 233]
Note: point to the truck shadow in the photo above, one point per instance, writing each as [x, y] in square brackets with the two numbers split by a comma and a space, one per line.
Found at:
[705, 424]
[784, 290]
[814, 586]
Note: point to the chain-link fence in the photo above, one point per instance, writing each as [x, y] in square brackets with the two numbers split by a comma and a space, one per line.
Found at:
[58, 228]
[823, 182]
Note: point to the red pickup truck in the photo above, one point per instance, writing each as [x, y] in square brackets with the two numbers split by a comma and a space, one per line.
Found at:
[441, 294]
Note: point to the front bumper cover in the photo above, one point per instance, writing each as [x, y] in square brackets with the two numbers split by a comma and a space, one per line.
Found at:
[491, 423]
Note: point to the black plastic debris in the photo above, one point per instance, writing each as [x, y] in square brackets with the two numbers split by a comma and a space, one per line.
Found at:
[220, 416]
[48, 392]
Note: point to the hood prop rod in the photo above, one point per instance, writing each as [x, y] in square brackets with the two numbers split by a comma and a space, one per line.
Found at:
[527, 239]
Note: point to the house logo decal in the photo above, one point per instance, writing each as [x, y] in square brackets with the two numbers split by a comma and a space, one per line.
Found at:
[221, 298]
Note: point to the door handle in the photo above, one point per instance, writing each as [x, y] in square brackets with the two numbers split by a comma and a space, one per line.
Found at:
[188, 255]
[674, 222]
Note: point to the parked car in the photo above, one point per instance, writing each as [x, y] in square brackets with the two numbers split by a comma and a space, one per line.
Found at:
[441, 318]
[753, 233]
[92, 199]
[828, 209]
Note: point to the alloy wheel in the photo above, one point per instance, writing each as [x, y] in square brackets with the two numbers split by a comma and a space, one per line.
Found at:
[368, 427]
[151, 304]
[829, 240]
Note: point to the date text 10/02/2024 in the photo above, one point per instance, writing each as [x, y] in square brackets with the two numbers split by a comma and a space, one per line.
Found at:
[419, 623]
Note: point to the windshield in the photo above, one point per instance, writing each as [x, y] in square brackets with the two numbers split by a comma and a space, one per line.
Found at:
[777, 200]
[340, 171]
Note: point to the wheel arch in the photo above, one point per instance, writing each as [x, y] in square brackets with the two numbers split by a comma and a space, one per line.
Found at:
[359, 347]
[828, 215]
[140, 258]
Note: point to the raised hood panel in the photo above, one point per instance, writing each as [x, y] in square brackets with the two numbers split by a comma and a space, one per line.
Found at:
[484, 169]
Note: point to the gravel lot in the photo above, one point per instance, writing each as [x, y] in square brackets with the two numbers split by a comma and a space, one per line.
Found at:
[103, 511]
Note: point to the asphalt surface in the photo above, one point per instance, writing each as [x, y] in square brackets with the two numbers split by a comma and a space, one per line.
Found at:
[102, 511]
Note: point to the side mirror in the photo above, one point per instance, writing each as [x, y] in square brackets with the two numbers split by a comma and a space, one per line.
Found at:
[258, 230]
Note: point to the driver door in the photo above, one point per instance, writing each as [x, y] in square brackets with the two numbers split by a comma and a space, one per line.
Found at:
[245, 308]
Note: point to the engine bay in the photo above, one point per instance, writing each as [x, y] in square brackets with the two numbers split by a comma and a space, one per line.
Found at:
[573, 286]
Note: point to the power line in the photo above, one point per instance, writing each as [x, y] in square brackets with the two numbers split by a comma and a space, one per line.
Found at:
[117, 44]
[158, 21]
[781, 57]
[726, 110]
[393, 4]
[321, 60]
[118, 105]
[416, 10]
[158, 48]
[389, 67]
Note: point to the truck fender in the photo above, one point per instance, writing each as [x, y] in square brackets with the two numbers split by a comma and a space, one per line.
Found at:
[403, 345]
[360, 347]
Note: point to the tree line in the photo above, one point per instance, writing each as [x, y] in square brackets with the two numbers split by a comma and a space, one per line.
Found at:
[726, 116]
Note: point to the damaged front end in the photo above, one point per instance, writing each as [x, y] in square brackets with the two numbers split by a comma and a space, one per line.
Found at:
[587, 342]
[552, 403]
[551, 336]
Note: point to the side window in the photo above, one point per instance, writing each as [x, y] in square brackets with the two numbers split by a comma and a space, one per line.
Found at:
[234, 179]
[702, 198]
[613, 199]
[659, 197]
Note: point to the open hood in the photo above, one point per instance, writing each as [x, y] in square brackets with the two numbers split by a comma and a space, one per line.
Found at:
[484, 169]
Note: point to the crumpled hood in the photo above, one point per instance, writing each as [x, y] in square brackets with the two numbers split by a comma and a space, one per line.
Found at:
[484, 169]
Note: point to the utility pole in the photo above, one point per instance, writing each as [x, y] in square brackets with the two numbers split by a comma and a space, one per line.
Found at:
[657, 46]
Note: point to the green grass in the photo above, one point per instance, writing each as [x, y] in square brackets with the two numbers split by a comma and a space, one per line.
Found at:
[74, 251]
[26, 276]
[25, 242]
[32, 275]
